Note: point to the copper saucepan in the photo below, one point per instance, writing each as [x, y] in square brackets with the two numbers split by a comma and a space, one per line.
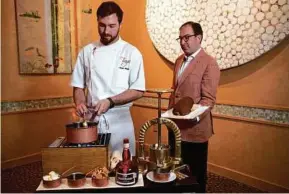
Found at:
[76, 179]
[81, 132]
[52, 183]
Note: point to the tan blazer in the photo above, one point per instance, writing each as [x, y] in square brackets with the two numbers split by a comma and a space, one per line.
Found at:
[199, 80]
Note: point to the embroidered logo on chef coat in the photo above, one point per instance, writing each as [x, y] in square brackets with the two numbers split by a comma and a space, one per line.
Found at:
[124, 63]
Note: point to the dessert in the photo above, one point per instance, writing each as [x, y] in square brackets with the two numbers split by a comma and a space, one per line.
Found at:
[51, 176]
[100, 177]
[183, 106]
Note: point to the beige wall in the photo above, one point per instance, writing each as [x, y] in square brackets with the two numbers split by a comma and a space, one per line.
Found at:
[23, 134]
[253, 149]
[254, 153]
[26, 133]
[260, 83]
[17, 87]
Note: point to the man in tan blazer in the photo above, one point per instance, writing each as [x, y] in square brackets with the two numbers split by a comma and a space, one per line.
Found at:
[196, 74]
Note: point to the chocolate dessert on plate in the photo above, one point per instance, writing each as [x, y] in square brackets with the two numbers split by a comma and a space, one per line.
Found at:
[183, 106]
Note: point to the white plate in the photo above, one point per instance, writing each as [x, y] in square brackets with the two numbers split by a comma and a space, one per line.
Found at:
[196, 110]
[150, 176]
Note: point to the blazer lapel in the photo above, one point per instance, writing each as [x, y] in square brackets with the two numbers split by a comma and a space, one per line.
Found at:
[191, 67]
[177, 68]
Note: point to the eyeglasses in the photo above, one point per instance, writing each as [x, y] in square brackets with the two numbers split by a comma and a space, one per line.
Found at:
[186, 38]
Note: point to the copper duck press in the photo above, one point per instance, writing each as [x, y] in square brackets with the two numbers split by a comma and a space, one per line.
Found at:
[159, 154]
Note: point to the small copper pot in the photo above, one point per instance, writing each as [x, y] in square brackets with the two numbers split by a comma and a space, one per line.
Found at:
[79, 132]
[76, 179]
[99, 182]
[52, 183]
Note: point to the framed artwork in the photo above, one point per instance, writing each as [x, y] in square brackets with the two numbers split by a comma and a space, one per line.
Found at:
[44, 36]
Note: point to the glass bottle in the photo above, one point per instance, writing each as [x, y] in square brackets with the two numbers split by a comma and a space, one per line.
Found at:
[126, 171]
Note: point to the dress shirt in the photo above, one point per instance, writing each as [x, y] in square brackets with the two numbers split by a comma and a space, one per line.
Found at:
[187, 60]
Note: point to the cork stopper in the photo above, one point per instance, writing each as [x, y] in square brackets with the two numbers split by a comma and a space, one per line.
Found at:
[126, 140]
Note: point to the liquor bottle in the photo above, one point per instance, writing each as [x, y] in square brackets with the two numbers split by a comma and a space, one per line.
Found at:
[126, 171]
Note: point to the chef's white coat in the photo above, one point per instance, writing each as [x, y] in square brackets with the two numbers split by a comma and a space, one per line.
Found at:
[107, 71]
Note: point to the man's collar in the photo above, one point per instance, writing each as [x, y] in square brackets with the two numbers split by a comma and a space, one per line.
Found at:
[99, 44]
[116, 42]
[192, 56]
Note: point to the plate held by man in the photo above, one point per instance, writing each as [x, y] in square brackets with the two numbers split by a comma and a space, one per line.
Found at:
[185, 108]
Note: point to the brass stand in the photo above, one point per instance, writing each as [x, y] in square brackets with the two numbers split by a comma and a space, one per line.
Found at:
[159, 157]
[159, 92]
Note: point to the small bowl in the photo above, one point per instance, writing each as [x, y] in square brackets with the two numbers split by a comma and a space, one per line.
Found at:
[52, 184]
[76, 179]
[99, 182]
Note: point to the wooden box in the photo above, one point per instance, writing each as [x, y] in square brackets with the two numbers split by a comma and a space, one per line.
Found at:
[59, 159]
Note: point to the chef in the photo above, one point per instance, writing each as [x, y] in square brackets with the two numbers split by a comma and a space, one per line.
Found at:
[111, 70]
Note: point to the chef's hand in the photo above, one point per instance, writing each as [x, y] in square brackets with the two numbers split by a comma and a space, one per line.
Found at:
[102, 106]
[81, 109]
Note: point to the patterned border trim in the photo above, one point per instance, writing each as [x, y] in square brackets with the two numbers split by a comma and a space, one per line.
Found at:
[32, 105]
[151, 102]
[259, 114]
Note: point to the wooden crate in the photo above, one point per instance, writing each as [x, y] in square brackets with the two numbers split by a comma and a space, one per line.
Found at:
[85, 159]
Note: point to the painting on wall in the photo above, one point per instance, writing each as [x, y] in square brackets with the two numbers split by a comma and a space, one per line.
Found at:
[43, 35]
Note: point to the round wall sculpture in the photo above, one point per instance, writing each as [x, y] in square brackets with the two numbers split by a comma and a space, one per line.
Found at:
[235, 31]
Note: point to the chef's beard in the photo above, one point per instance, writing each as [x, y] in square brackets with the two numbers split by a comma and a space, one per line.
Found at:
[106, 39]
